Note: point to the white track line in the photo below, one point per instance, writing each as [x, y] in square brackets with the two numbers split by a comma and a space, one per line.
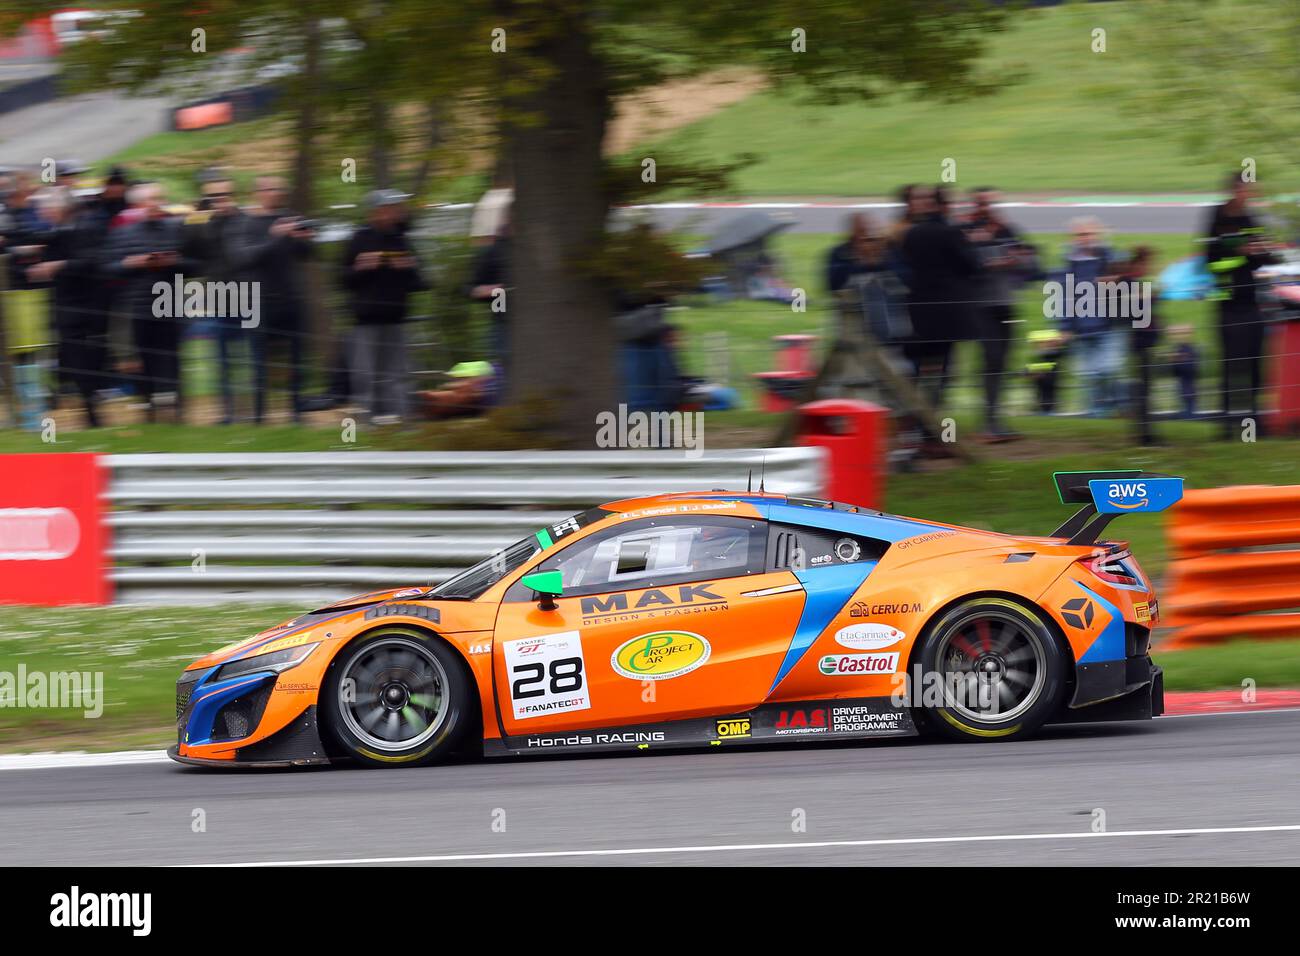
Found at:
[51, 761]
[122, 758]
[744, 847]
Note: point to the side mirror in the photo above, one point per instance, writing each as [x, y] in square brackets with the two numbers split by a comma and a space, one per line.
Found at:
[548, 584]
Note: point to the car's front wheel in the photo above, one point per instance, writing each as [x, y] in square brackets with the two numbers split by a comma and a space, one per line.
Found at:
[991, 670]
[397, 697]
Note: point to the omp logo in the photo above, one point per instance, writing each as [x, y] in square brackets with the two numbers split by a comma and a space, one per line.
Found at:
[734, 727]
[651, 600]
[74, 909]
[868, 637]
[661, 655]
[38, 534]
[1122, 493]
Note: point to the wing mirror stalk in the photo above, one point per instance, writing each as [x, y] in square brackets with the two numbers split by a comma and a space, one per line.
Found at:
[546, 585]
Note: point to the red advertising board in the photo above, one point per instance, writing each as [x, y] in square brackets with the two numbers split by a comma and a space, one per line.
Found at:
[53, 540]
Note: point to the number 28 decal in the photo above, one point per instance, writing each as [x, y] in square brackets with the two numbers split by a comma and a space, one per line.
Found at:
[547, 675]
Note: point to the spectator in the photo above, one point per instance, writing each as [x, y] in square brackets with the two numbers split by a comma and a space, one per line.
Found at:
[70, 266]
[942, 265]
[862, 253]
[213, 235]
[380, 271]
[1185, 366]
[1143, 341]
[1097, 342]
[142, 253]
[492, 210]
[489, 281]
[269, 249]
[1236, 250]
[1007, 260]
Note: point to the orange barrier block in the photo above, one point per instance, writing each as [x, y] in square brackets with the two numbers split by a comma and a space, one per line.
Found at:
[1236, 565]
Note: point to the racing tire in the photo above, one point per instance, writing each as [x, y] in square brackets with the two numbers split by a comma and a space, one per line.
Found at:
[397, 697]
[992, 669]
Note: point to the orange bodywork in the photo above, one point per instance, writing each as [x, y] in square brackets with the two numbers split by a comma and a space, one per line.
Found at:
[699, 649]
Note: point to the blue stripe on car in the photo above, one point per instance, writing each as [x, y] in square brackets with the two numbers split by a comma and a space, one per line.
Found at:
[1109, 645]
[828, 589]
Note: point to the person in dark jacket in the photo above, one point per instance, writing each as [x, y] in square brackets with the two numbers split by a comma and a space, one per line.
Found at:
[1144, 339]
[380, 271]
[213, 232]
[270, 249]
[1237, 249]
[489, 283]
[148, 251]
[941, 265]
[1007, 260]
[70, 266]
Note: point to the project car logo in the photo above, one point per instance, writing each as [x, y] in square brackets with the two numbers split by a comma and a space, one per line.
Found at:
[845, 665]
[661, 655]
[38, 534]
[868, 637]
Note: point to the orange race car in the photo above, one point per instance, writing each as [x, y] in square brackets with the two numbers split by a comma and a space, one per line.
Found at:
[705, 620]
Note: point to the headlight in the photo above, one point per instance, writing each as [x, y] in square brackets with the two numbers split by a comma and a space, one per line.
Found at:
[276, 661]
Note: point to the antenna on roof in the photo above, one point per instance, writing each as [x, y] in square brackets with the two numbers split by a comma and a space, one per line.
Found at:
[762, 475]
[749, 482]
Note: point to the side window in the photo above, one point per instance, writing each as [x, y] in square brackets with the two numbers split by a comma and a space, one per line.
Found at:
[655, 551]
[796, 548]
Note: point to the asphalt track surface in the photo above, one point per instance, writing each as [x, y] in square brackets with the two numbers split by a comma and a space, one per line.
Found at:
[1163, 785]
[88, 127]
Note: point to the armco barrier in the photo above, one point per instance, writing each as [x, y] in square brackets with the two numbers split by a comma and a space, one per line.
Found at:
[1217, 590]
[316, 526]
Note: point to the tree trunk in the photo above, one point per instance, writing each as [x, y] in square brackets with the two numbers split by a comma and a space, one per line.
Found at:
[304, 193]
[563, 366]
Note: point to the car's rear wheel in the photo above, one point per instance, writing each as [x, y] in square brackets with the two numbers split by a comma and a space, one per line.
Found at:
[992, 670]
[397, 697]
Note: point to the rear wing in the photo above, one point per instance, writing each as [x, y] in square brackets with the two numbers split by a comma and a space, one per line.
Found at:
[1106, 494]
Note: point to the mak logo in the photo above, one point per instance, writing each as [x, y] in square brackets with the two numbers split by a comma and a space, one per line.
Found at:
[868, 637]
[661, 655]
[652, 600]
[846, 665]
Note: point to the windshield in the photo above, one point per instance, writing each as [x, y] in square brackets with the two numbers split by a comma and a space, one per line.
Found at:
[472, 582]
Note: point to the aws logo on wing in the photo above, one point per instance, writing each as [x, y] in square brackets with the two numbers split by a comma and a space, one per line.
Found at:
[1128, 495]
[1117, 496]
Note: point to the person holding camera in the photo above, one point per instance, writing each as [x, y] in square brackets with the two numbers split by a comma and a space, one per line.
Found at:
[380, 272]
[270, 249]
[1007, 260]
[1237, 248]
[148, 250]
